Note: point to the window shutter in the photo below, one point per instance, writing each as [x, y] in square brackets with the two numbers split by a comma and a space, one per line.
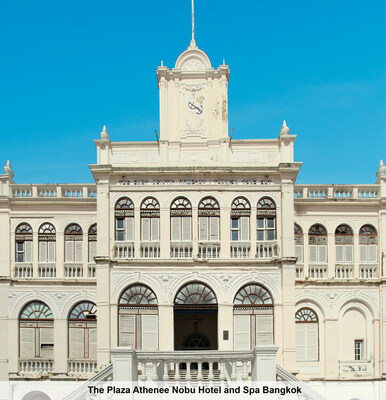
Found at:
[339, 253]
[299, 253]
[127, 330]
[186, 229]
[176, 235]
[203, 228]
[242, 332]
[91, 251]
[28, 251]
[76, 342]
[155, 229]
[300, 342]
[264, 329]
[43, 251]
[313, 250]
[363, 253]
[214, 229]
[322, 253]
[69, 256]
[46, 337]
[244, 228]
[27, 342]
[372, 253]
[130, 229]
[149, 332]
[92, 343]
[78, 251]
[51, 251]
[349, 253]
[145, 229]
[311, 341]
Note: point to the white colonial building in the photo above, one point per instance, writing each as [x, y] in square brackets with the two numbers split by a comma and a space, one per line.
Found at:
[196, 255]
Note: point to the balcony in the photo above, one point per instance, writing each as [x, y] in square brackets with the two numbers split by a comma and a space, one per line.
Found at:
[23, 270]
[344, 271]
[150, 250]
[266, 250]
[208, 250]
[181, 250]
[54, 191]
[124, 250]
[36, 366]
[240, 250]
[72, 270]
[336, 192]
[369, 271]
[317, 271]
[47, 270]
[81, 367]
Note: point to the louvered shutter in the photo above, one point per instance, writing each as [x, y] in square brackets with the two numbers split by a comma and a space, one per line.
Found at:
[145, 229]
[300, 342]
[69, 257]
[339, 253]
[127, 330]
[299, 253]
[43, 251]
[313, 253]
[242, 332]
[176, 234]
[372, 253]
[322, 253]
[51, 251]
[214, 229]
[311, 341]
[46, 338]
[349, 253]
[186, 229]
[92, 251]
[27, 343]
[149, 332]
[76, 341]
[78, 251]
[28, 251]
[244, 228]
[264, 329]
[129, 229]
[92, 343]
[363, 253]
[203, 228]
[155, 229]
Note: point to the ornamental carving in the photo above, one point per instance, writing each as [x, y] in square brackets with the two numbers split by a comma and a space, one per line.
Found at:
[116, 278]
[165, 281]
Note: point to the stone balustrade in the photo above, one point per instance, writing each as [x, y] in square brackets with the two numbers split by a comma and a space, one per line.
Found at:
[208, 250]
[36, 366]
[369, 271]
[344, 271]
[123, 250]
[23, 270]
[317, 271]
[150, 250]
[336, 192]
[73, 270]
[266, 250]
[47, 270]
[240, 250]
[181, 250]
[74, 191]
[81, 367]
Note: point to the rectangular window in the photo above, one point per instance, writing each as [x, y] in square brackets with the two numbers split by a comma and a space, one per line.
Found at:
[20, 251]
[120, 226]
[235, 229]
[209, 229]
[266, 228]
[358, 350]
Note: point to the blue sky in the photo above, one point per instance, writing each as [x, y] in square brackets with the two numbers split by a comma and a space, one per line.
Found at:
[69, 67]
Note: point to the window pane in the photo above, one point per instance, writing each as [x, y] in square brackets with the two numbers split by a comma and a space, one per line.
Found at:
[260, 222]
[270, 222]
[20, 257]
[120, 223]
[235, 235]
[260, 235]
[235, 223]
[20, 246]
[121, 235]
[270, 235]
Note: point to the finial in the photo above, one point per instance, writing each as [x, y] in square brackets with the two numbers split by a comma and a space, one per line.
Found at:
[381, 170]
[162, 63]
[284, 129]
[193, 41]
[223, 61]
[381, 163]
[104, 134]
[8, 169]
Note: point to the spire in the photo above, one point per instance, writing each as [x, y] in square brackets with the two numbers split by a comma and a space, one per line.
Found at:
[104, 134]
[284, 129]
[193, 42]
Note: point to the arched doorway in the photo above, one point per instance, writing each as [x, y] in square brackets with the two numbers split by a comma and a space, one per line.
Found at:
[195, 318]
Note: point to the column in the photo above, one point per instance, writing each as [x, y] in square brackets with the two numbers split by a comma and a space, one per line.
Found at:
[60, 349]
[4, 356]
[164, 224]
[225, 232]
[331, 348]
[166, 327]
[225, 323]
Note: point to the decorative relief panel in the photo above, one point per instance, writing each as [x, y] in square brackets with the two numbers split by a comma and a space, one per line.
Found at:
[194, 157]
[117, 277]
[226, 281]
[165, 281]
[13, 298]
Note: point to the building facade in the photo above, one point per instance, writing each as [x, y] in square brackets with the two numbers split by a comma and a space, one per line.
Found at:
[194, 242]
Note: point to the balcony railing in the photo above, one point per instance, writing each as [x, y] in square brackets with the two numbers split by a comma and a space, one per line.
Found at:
[181, 250]
[36, 366]
[368, 271]
[53, 191]
[240, 249]
[23, 270]
[150, 250]
[266, 250]
[81, 367]
[73, 270]
[299, 271]
[208, 250]
[47, 270]
[124, 250]
[317, 271]
[91, 269]
[336, 192]
[344, 271]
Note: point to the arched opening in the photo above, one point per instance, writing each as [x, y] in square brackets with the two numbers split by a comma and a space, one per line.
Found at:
[195, 318]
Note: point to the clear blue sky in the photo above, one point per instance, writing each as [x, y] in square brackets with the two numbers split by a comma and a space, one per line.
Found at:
[69, 67]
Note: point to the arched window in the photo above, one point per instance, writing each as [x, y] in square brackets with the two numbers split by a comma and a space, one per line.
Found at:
[23, 241]
[73, 237]
[240, 214]
[299, 243]
[138, 318]
[82, 331]
[252, 317]
[150, 213]
[209, 220]
[307, 335]
[266, 219]
[47, 241]
[195, 294]
[124, 220]
[344, 251]
[92, 243]
[368, 244]
[317, 241]
[181, 220]
[36, 326]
